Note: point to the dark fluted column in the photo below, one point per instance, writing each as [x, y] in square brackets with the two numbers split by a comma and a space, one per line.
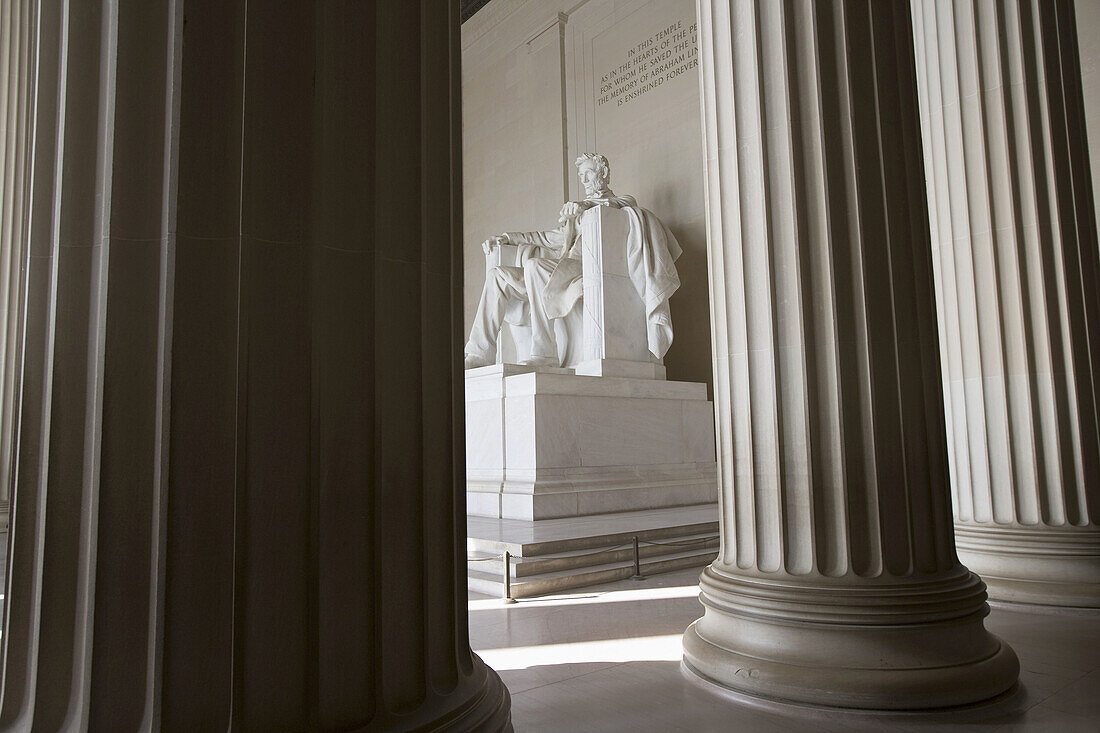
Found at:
[18, 24]
[240, 451]
[837, 581]
[1015, 254]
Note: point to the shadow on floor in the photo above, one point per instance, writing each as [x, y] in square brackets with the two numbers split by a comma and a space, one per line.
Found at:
[608, 659]
[659, 696]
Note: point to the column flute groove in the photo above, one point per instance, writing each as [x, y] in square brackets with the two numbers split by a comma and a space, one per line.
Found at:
[1014, 210]
[846, 590]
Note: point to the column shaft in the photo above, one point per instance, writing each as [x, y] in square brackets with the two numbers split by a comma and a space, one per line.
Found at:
[18, 23]
[1015, 259]
[837, 582]
[240, 447]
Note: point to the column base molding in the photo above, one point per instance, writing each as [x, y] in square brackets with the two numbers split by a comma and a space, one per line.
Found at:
[882, 645]
[1042, 565]
[488, 709]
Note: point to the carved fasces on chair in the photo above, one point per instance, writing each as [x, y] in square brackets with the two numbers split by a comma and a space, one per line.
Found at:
[515, 341]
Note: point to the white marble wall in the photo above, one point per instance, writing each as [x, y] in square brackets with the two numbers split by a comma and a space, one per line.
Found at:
[532, 77]
[513, 164]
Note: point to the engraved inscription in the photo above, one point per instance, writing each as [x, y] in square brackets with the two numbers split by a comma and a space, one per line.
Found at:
[665, 55]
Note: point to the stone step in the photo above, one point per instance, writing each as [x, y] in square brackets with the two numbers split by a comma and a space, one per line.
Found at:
[610, 553]
[556, 582]
[554, 555]
[555, 536]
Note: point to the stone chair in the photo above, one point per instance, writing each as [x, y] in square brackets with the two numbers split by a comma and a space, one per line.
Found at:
[605, 333]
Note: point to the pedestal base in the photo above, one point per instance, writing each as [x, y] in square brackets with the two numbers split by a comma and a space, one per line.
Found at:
[1048, 566]
[885, 646]
[545, 443]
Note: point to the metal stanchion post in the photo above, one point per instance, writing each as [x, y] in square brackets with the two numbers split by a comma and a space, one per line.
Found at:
[637, 562]
[508, 578]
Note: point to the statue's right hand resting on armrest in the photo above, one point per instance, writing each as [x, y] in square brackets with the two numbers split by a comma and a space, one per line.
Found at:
[494, 241]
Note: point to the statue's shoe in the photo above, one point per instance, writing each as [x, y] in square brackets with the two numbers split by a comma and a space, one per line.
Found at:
[473, 361]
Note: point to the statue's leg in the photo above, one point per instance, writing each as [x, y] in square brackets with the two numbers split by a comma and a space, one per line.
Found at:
[504, 291]
[536, 273]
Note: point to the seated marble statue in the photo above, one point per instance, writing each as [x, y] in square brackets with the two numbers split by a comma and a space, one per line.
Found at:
[548, 285]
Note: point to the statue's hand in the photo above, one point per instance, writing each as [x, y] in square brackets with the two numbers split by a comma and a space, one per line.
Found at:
[494, 241]
[569, 210]
[572, 209]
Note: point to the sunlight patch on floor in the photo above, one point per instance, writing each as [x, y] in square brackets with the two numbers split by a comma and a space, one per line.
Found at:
[582, 597]
[666, 648]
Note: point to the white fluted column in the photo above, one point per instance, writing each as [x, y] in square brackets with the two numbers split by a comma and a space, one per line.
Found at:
[837, 581]
[1015, 258]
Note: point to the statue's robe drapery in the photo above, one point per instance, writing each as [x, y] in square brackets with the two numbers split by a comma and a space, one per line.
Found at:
[651, 253]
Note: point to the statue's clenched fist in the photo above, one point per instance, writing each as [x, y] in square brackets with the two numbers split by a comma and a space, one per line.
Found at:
[571, 210]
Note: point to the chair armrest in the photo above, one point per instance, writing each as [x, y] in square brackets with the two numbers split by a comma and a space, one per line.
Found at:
[511, 255]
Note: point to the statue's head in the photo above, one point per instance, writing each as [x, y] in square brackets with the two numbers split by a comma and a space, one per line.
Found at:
[595, 173]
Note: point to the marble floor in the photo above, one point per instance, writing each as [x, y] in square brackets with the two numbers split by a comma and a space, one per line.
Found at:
[607, 658]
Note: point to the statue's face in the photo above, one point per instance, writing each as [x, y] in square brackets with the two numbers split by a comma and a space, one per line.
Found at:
[591, 179]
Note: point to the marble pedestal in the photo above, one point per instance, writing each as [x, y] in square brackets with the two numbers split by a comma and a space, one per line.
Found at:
[544, 443]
